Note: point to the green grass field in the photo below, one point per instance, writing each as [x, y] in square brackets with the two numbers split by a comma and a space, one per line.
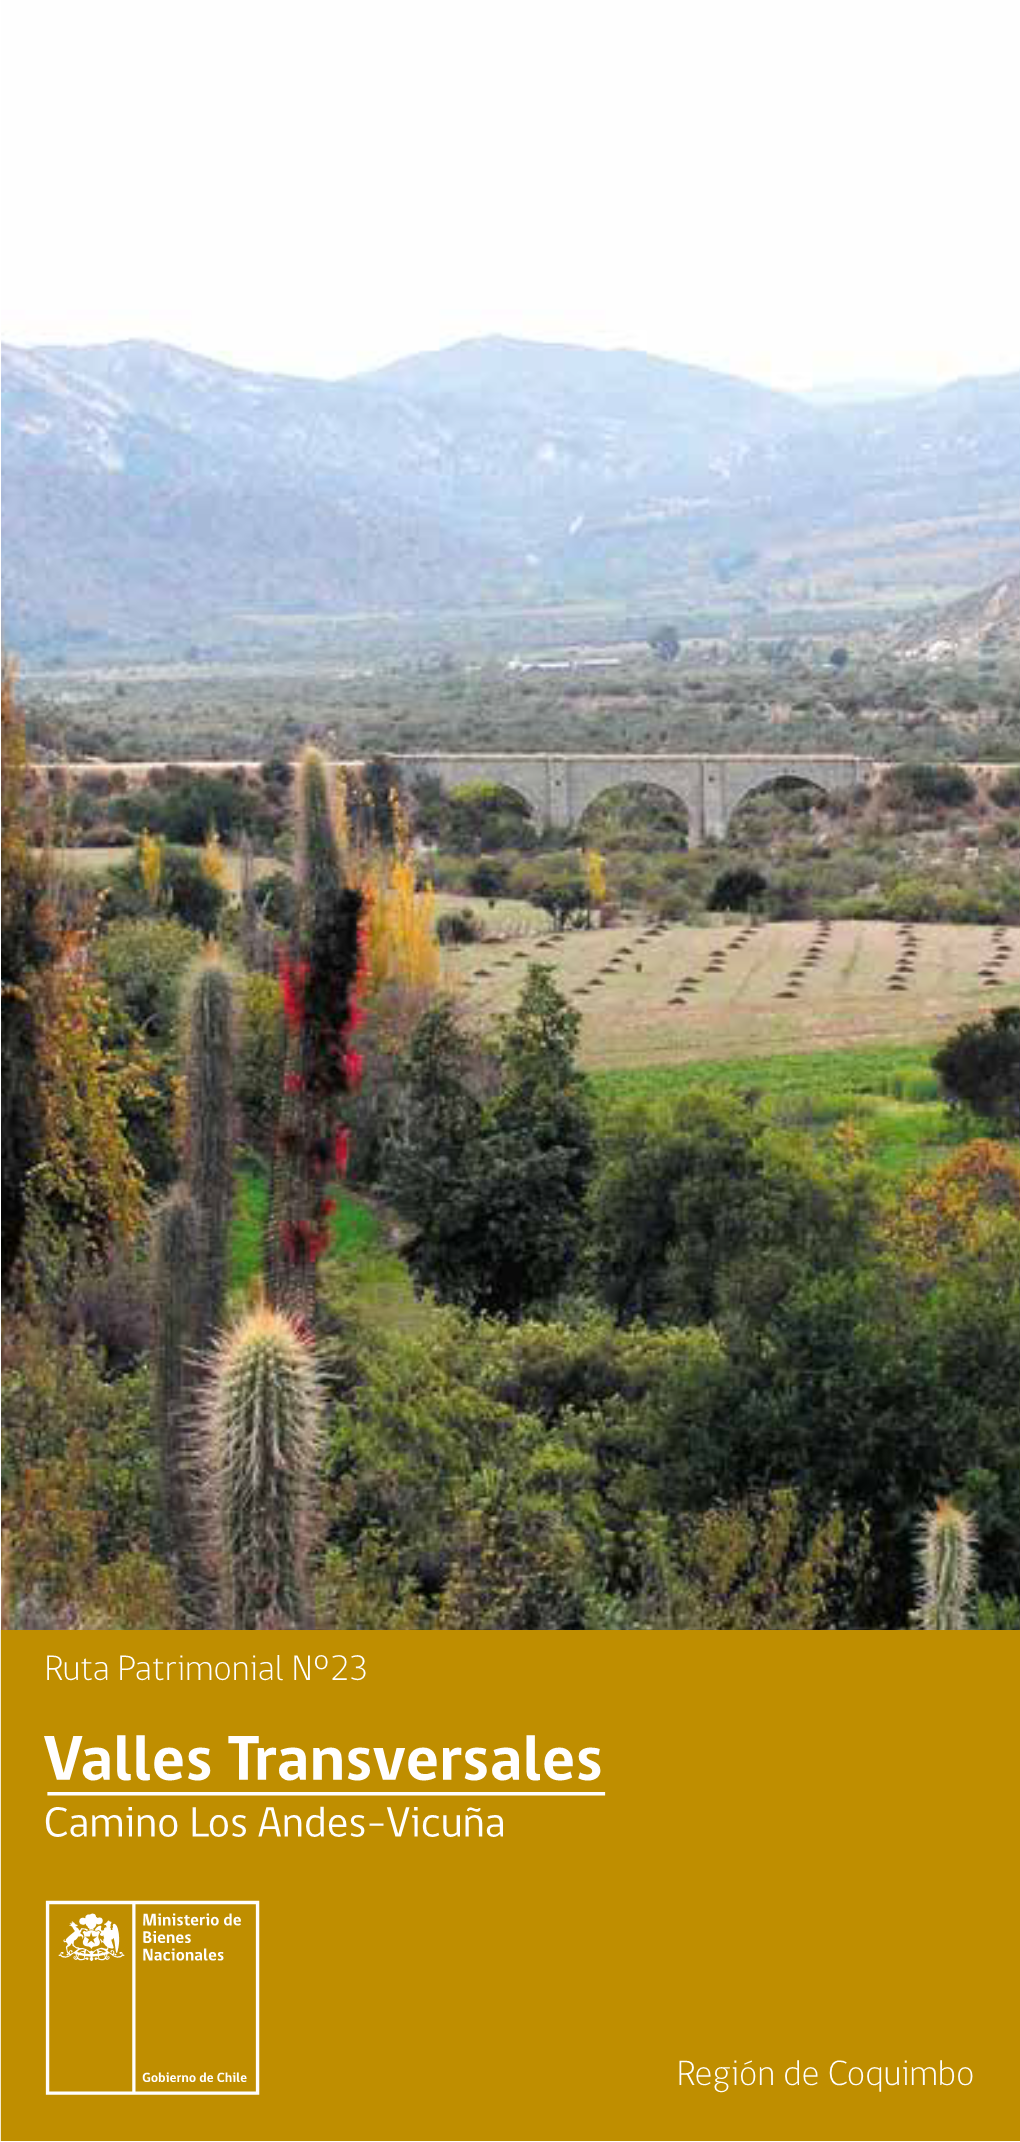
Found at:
[355, 1230]
[890, 1093]
[376, 1279]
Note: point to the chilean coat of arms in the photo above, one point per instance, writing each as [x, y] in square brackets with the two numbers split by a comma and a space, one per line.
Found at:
[90, 1941]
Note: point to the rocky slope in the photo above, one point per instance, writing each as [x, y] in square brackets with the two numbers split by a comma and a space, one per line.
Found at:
[985, 623]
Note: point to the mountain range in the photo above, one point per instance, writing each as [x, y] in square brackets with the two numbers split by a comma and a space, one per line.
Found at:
[153, 496]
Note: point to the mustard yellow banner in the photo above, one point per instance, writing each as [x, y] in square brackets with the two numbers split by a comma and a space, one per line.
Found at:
[510, 1885]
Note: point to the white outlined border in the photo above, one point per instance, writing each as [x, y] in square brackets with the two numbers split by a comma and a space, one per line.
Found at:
[133, 1902]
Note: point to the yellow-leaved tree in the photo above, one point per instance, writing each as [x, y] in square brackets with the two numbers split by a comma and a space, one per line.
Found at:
[595, 877]
[401, 947]
[213, 862]
[87, 1177]
[958, 1209]
[150, 865]
[67, 1158]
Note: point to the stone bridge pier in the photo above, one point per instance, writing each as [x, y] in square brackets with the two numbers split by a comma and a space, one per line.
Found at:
[558, 787]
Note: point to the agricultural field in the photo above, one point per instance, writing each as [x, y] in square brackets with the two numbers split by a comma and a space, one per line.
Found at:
[889, 1093]
[666, 994]
[672, 998]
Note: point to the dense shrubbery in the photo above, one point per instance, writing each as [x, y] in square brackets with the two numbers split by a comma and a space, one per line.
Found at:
[494, 1476]
[1005, 790]
[926, 844]
[184, 810]
[709, 1206]
[142, 963]
[474, 819]
[737, 889]
[186, 893]
[564, 1473]
[80, 1483]
[788, 851]
[948, 785]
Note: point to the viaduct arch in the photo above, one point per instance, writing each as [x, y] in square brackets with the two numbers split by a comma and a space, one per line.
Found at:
[558, 787]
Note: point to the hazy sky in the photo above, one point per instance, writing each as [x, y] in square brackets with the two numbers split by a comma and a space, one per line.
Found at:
[797, 190]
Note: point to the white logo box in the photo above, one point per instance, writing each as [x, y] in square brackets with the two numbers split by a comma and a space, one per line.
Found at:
[131, 1904]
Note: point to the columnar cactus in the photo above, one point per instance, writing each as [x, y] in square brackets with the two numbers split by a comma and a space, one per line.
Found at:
[176, 1286]
[317, 863]
[209, 1137]
[260, 1428]
[249, 904]
[947, 1566]
[317, 980]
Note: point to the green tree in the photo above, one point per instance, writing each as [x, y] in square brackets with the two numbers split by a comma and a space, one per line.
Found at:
[979, 1067]
[561, 898]
[142, 965]
[484, 815]
[494, 1153]
[262, 1047]
[708, 1208]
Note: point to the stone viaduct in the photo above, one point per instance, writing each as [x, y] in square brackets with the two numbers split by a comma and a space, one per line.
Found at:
[558, 787]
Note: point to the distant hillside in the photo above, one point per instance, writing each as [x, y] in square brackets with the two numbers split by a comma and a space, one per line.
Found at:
[152, 494]
[144, 494]
[987, 622]
[842, 392]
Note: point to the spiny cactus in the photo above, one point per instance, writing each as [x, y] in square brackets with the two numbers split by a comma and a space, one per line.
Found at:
[318, 868]
[176, 1286]
[317, 979]
[260, 1427]
[209, 1137]
[947, 1567]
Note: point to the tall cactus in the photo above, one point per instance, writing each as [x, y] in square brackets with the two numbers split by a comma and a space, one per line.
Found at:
[947, 1567]
[260, 1425]
[318, 975]
[209, 1136]
[249, 903]
[318, 866]
[176, 1293]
